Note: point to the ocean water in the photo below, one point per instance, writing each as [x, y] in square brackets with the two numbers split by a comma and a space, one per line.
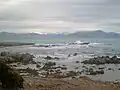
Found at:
[112, 45]
[63, 48]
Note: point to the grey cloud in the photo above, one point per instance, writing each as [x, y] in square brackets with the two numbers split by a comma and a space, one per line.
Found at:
[45, 15]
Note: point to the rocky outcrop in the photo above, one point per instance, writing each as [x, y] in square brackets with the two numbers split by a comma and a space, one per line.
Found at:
[91, 71]
[103, 60]
[8, 57]
[51, 58]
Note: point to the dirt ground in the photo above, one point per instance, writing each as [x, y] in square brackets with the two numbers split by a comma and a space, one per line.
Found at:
[82, 83]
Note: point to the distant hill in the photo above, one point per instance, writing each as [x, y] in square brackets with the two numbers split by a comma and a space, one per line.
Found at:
[94, 34]
[81, 34]
[17, 36]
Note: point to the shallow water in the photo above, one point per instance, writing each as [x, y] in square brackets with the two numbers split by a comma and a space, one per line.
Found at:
[95, 48]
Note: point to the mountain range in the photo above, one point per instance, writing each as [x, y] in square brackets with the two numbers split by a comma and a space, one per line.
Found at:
[80, 34]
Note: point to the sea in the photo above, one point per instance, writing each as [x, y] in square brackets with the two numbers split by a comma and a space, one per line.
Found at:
[64, 48]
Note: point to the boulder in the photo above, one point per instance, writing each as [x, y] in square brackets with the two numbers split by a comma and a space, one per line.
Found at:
[75, 54]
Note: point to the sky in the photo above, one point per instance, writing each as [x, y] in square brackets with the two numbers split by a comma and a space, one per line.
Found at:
[51, 16]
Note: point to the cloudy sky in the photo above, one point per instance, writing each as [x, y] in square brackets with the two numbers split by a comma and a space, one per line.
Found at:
[59, 15]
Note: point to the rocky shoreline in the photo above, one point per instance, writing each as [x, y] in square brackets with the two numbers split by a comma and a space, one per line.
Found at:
[49, 70]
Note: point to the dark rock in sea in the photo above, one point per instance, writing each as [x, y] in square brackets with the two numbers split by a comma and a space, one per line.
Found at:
[60, 67]
[91, 71]
[63, 68]
[48, 65]
[51, 71]
[103, 60]
[77, 61]
[63, 65]
[56, 58]
[85, 43]
[110, 69]
[76, 67]
[38, 66]
[69, 55]
[75, 54]
[101, 68]
[50, 58]
[100, 72]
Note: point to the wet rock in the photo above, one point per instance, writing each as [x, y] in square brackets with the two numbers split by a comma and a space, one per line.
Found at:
[77, 61]
[48, 58]
[71, 73]
[101, 68]
[56, 58]
[103, 60]
[38, 66]
[110, 69]
[60, 67]
[48, 65]
[63, 65]
[69, 55]
[76, 67]
[118, 68]
[91, 71]
[100, 72]
[75, 54]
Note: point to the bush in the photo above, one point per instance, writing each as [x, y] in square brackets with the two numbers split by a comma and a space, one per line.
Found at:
[10, 78]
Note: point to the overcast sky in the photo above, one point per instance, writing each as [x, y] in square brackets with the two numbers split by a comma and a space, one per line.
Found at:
[59, 15]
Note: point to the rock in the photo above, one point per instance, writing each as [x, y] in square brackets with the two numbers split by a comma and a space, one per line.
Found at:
[56, 58]
[38, 66]
[63, 68]
[76, 67]
[110, 69]
[103, 60]
[71, 73]
[118, 68]
[75, 54]
[4, 53]
[85, 43]
[60, 67]
[48, 58]
[100, 72]
[77, 62]
[91, 71]
[48, 65]
[69, 55]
